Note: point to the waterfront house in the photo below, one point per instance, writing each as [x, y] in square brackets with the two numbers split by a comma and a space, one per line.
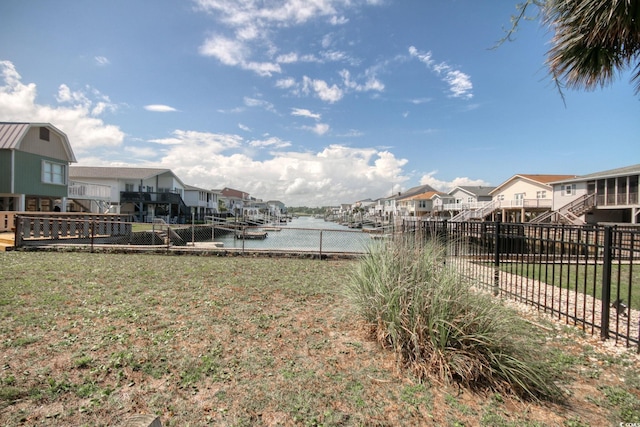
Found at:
[392, 207]
[34, 167]
[201, 202]
[523, 197]
[421, 204]
[611, 196]
[143, 193]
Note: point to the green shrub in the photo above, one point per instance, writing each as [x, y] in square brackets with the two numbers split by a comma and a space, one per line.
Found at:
[426, 312]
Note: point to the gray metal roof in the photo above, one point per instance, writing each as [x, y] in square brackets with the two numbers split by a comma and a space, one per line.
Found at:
[12, 133]
[413, 191]
[611, 173]
[476, 190]
[106, 172]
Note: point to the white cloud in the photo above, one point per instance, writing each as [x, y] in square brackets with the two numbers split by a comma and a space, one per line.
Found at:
[322, 90]
[287, 83]
[371, 83]
[159, 108]
[303, 112]
[287, 58]
[234, 52]
[102, 61]
[244, 127]
[319, 128]
[459, 83]
[271, 142]
[259, 103]
[338, 20]
[212, 141]
[77, 113]
[446, 186]
[253, 23]
[335, 174]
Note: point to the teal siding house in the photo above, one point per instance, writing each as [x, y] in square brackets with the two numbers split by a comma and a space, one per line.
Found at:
[34, 167]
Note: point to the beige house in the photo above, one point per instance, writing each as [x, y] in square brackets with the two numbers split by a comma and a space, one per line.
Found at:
[611, 196]
[423, 204]
[523, 197]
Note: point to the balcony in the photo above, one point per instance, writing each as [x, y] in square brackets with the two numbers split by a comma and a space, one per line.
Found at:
[86, 191]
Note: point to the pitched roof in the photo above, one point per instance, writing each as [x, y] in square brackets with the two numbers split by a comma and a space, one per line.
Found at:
[413, 191]
[106, 172]
[423, 196]
[545, 179]
[475, 190]
[540, 179]
[12, 134]
[611, 173]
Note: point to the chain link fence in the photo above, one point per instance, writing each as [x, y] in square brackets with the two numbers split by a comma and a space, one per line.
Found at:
[112, 231]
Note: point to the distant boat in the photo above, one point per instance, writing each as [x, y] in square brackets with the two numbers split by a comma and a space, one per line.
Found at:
[251, 235]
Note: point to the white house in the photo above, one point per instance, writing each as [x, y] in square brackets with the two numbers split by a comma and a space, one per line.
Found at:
[144, 193]
[608, 196]
[200, 201]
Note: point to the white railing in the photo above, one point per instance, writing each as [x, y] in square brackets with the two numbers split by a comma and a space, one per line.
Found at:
[85, 190]
[462, 206]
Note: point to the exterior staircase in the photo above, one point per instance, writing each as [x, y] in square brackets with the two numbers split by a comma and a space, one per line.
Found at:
[477, 214]
[569, 213]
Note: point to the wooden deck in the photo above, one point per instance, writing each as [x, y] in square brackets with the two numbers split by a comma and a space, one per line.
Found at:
[7, 241]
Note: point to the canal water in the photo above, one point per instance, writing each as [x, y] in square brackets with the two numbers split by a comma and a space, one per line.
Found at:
[306, 234]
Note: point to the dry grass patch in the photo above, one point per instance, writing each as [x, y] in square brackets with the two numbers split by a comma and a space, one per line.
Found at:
[90, 339]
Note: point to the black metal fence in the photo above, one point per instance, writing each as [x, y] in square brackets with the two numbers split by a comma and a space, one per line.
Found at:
[588, 276]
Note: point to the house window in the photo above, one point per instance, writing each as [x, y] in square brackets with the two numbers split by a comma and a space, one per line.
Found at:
[569, 189]
[541, 194]
[518, 196]
[53, 173]
[128, 187]
[44, 134]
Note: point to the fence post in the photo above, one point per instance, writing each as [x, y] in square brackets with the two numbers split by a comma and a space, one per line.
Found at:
[93, 234]
[606, 282]
[320, 244]
[18, 225]
[496, 256]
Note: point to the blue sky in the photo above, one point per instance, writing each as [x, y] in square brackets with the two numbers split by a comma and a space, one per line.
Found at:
[308, 102]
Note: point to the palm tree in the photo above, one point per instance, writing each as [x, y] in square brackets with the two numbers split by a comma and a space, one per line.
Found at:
[593, 40]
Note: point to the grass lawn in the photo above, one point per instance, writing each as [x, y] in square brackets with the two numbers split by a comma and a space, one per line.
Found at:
[92, 339]
[586, 279]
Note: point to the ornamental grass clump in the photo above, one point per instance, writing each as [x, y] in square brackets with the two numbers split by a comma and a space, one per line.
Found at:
[426, 312]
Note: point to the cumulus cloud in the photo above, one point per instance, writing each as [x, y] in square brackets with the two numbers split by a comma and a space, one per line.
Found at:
[159, 108]
[319, 128]
[333, 175]
[253, 24]
[459, 83]
[322, 89]
[77, 113]
[447, 186]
